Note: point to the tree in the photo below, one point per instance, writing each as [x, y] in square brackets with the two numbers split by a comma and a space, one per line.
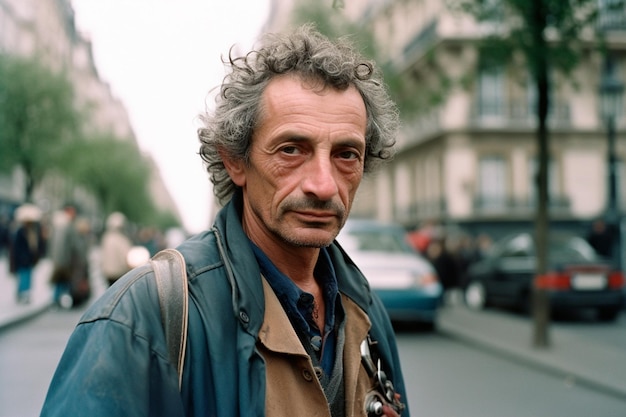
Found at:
[116, 172]
[37, 118]
[548, 34]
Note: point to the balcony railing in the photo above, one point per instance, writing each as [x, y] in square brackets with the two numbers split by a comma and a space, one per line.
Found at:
[482, 208]
[485, 207]
[518, 114]
[611, 16]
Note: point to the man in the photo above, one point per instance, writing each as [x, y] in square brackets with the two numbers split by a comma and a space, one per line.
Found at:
[114, 248]
[278, 312]
[68, 253]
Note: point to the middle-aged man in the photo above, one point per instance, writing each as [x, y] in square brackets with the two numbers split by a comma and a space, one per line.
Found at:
[278, 313]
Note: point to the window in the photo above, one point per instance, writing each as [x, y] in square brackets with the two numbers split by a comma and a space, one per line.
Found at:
[492, 182]
[491, 100]
[611, 14]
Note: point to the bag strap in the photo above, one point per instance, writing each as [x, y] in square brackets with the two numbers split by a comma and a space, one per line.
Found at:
[171, 279]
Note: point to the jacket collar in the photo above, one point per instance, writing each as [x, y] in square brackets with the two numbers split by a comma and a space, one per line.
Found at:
[246, 276]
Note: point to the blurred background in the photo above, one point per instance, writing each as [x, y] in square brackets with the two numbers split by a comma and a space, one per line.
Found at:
[512, 125]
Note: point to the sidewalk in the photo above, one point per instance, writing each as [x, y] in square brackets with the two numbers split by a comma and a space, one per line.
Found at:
[41, 294]
[579, 360]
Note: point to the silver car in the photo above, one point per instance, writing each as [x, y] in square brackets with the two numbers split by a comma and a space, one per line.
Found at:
[405, 281]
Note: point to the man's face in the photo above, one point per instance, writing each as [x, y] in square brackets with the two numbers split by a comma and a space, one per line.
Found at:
[306, 162]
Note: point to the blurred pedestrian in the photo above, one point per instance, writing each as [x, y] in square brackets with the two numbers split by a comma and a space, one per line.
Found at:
[80, 287]
[150, 238]
[68, 254]
[421, 237]
[445, 264]
[26, 249]
[5, 235]
[602, 237]
[114, 248]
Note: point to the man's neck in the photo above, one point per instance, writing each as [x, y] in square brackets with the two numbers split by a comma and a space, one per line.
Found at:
[298, 263]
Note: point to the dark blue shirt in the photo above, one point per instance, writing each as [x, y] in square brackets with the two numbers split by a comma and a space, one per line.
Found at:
[299, 305]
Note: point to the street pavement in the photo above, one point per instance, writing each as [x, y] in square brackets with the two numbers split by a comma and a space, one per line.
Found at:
[41, 295]
[578, 359]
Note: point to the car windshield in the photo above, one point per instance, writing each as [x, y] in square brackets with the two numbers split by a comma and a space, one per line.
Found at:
[559, 246]
[377, 241]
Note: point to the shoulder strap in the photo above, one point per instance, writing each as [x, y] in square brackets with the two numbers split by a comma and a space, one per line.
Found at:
[171, 279]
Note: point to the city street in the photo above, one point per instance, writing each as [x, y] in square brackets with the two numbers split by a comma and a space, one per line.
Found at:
[446, 377]
[29, 354]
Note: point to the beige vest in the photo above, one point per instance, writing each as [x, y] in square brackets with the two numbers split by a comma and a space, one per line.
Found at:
[292, 388]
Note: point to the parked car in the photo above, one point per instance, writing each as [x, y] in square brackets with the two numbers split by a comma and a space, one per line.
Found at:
[577, 277]
[405, 281]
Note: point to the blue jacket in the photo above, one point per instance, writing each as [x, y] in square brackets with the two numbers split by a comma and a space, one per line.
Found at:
[116, 361]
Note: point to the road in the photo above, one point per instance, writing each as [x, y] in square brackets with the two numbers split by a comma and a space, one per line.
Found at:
[29, 354]
[446, 378]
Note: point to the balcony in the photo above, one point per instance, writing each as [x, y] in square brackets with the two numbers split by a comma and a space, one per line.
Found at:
[515, 208]
[517, 114]
[611, 16]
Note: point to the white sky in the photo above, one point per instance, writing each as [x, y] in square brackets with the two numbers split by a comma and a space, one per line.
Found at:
[162, 58]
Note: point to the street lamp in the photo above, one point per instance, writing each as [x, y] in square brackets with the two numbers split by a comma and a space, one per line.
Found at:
[611, 107]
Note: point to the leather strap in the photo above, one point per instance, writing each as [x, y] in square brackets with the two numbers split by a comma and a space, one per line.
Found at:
[171, 279]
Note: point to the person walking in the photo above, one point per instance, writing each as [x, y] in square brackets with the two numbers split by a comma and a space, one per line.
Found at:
[281, 321]
[68, 254]
[26, 249]
[114, 248]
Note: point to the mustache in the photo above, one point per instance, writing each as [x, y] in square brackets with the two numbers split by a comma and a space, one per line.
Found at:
[313, 204]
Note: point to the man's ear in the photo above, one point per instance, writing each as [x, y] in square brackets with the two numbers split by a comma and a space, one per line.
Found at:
[234, 167]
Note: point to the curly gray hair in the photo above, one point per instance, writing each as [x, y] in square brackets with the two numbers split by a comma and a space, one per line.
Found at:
[311, 56]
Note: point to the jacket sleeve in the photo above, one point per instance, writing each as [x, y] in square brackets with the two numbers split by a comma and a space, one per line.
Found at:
[115, 364]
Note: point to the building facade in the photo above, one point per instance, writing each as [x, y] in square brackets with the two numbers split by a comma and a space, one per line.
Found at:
[47, 29]
[470, 156]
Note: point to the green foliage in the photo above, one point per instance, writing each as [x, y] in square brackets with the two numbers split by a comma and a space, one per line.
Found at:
[40, 132]
[518, 24]
[334, 24]
[165, 220]
[37, 117]
[116, 172]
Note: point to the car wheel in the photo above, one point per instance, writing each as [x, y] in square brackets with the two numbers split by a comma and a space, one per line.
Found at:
[475, 295]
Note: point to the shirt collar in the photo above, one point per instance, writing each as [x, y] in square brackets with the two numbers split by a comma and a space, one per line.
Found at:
[298, 303]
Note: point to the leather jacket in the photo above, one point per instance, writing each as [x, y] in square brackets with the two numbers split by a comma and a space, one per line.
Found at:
[116, 361]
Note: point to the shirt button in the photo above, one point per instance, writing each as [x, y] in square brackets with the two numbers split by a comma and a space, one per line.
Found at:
[306, 374]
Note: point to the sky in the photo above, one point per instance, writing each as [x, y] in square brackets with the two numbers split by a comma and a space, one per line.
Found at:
[162, 59]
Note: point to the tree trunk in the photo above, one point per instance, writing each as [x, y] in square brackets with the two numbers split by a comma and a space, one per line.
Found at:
[540, 300]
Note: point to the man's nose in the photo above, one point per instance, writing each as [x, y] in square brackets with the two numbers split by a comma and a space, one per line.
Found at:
[319, 179]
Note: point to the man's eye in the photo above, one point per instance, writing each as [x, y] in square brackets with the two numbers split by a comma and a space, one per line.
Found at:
[291, 150]
[348, 155]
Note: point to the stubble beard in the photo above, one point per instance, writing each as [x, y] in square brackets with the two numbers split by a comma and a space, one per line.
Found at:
[290, 235]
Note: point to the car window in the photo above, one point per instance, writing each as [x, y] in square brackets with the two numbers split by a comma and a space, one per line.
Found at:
[518, 246]
[571, 248]
[560, 246]
[379, 241]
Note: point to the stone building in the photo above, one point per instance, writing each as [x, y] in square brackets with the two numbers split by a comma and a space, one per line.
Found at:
[47, 29]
